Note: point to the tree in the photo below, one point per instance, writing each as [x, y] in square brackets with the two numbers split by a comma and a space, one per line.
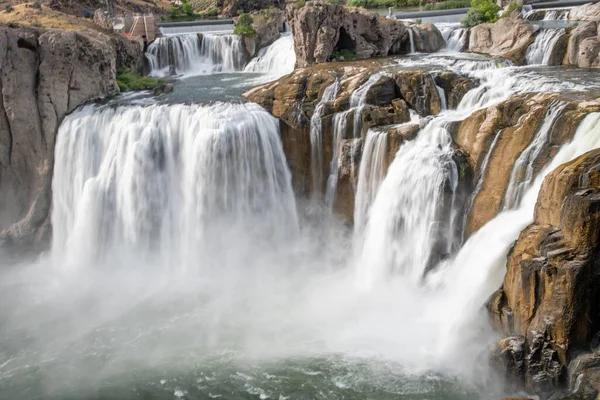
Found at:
[187, 9]
[481, 11]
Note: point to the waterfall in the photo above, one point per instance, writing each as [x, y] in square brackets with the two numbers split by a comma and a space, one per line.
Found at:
[557, 15]
[441, 94]
[195, 54]
[371, 173]
[455, 36]
[169, 180]
[521, 176]
[316, 137]
[189, 29]
[540, 51]
[479, 267]
[277, 60]
[411, 39]
[358, 100]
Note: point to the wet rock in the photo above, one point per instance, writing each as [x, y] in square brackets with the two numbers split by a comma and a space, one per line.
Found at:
[419, 91]
[427, 38]
[586, 12]
[455, 87]
[552, 280]
[508, 38]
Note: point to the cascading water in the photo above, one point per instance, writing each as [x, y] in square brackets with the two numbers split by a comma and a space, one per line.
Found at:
[358, 100]
[166, 179]
[371, 173]
[316, 137]
[540, 51]
[411, 39]
[521, 176]
[557, 15]
[455, 36]
[277, 60]
[195, 54]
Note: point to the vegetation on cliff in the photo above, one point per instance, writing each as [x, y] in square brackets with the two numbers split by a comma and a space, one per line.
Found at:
[243, 27]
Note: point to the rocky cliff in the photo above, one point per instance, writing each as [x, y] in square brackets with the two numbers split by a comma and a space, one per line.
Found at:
[549, 301]
[232, 8]
[321, 28]
[44, 77]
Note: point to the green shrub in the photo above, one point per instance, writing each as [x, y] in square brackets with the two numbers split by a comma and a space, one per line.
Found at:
[129, 80]
[8, 9]
[481, 11]
[341, 2]
[187, 9]
[418, 21]
[173, 12]
[243, 27]
[511, 7]
[343, 53]
[447, 5]
[299, 4]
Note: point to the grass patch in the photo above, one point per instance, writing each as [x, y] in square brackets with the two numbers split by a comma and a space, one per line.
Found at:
[448, 5]
[129, 80]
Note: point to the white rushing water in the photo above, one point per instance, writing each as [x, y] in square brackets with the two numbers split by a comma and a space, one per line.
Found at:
[455, 36]
[358, 100]
[166, 179]
[411, 39]
[277, 60]
[316, 138]
[189, 29]
[194, 54]
[540, 51]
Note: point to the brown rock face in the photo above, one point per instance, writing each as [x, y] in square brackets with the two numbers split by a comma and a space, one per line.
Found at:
[586, 12]
[495, 137]
[583, 46]
[550, 291]
[507, 38]
[267, 24]
[293, 100]
[320, 28]
[44, 77]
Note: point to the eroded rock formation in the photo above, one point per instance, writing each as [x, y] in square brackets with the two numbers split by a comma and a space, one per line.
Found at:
[268, 25]
[293, 100]
[320, 28]
[586, 12]
[44, 77]
[497, 135]
[549, 300]
[584, 46]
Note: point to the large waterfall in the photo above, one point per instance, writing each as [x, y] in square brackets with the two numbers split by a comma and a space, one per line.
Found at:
[195, 54]
[166, 179]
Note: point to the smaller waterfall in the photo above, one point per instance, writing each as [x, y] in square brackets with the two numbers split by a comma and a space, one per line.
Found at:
[358, 100]
[540, 51]
[370, 175]
[521, 176]
[557, 15]
[411, 39]
[316, 137]
[195, 54]
[455, 37]
[277, 60]
[441, 93]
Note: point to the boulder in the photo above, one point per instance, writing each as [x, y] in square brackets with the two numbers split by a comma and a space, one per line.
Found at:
[44, 77]
[320, 28]
[576, 51]
[268, 24]
[586, 12]
[508, 38]
[550, 293]
[588, 55]
[455, 87]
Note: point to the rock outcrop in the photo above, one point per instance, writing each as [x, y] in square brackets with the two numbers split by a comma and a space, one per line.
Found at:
[549, 300]
[584, 46]
[293, 100]
[268, 25]
[44, 77]
[495, 136]
[321, 28]
[586, 12]
[508, 38]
